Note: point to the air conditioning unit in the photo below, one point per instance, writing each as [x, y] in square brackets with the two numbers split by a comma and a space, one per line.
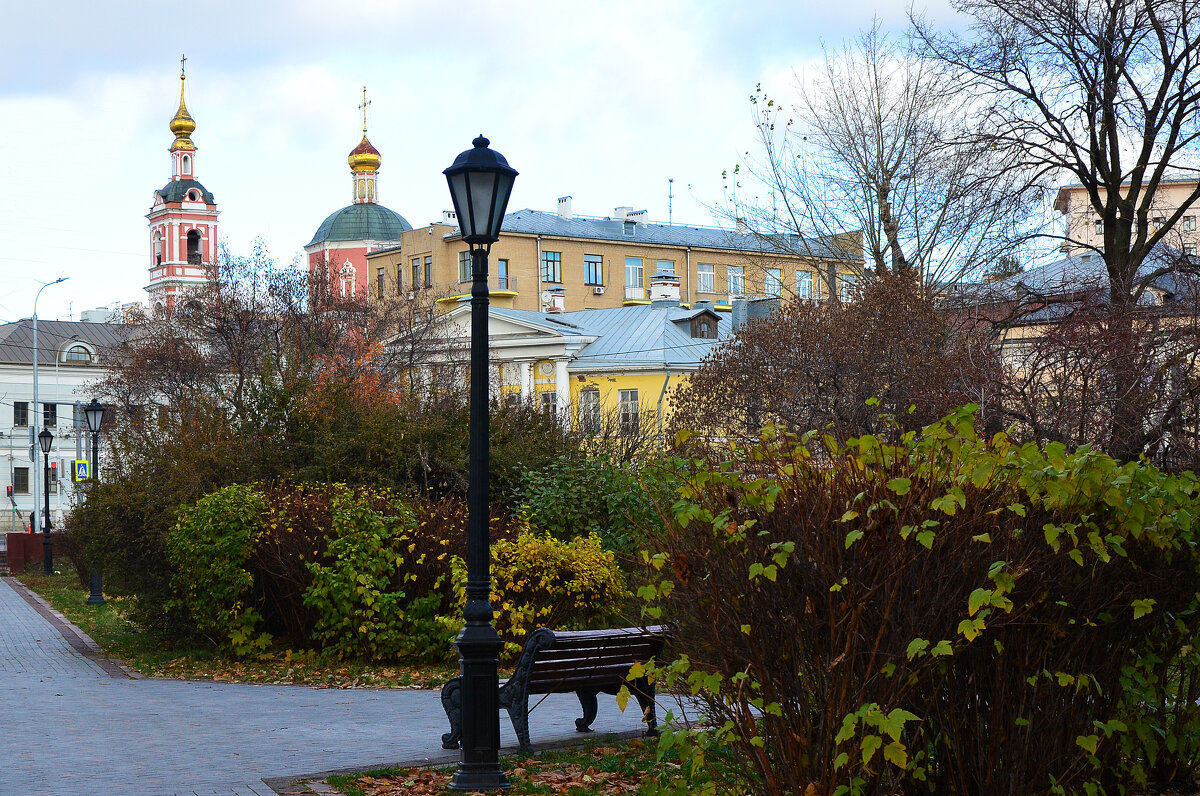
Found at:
[598, 290]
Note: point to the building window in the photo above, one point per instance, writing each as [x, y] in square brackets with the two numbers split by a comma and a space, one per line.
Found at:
[628, 420]
[1189, 223]
[551, 266]
[737, 280]
[1099, 226]
[21, 480]
[774, 282]
[380, 279]
[589, 411]
[187, 167]
[1189, 249]
[502, 275]
[706, 278]
[78, 353]
[593, 269]
[429, 270]
[193, 247]
[399, 278]
[633, 272]
[666, 265]
[847, 286]
[549, 402]
[50, 415]
[416, 272]
[464, 266]
[804, 284]
[347, 278]
[20, 413]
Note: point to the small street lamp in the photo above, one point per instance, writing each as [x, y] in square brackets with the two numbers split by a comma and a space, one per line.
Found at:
[480, 182]
[94, 413]
[45, 440]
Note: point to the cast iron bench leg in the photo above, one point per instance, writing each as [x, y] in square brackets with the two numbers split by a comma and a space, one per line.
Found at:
[644, 692]
[587, 701]
[452, 704]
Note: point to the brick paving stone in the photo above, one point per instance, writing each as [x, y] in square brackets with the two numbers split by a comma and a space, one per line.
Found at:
[69, 728]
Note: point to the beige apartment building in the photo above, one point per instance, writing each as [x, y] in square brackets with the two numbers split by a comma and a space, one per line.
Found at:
[563, 262]
[1085, 230]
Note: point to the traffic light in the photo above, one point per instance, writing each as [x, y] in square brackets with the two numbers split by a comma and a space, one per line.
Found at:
[10, 491]
[54, 472]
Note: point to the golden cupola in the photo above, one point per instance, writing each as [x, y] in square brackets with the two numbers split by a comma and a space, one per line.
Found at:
[183, 124]
[364, 157]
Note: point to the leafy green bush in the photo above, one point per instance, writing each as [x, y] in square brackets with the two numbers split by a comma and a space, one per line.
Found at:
[933, 613]
[358, 595]
[577, 496]
[209, 547]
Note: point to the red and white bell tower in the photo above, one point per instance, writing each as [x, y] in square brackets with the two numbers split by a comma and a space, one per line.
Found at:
[183, 221]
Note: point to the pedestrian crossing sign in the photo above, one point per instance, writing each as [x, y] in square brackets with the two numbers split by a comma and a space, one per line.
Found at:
[82, 470]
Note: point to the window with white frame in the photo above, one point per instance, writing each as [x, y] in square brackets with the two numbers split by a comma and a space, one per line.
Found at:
[804, 284]
[399, 278]
[665, 265]
[847, 286]
[49, 415]
[706, 278]
[78, 353]
[380, 280]
[416, 272]
[464, 266]
[737, 280]
[593, 269]
[552, 266]
[628, 420]
[347, 280]
[589, 411]
[1189, 223]
[549, 402]
[633, 272]
[1189, 249]
[20, 413]
[1099, 226]
[502, 275]
[773, 286]
[429, 271]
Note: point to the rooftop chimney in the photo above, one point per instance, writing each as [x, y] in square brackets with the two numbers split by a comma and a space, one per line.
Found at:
[450, 217]
[564, 208]
[619, 213]
[554, 299]
[638, 216]
[664, 288]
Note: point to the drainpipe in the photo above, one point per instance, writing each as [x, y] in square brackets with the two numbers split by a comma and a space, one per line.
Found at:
[687, 269]
[661, 396]
[537, 297]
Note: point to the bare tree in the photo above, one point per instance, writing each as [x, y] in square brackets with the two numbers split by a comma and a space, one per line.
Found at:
[1106, 94]
[878, 141]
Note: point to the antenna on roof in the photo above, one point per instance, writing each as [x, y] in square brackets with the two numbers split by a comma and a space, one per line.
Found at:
[670, 197]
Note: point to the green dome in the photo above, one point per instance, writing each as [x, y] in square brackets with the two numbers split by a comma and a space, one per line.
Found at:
[366, 221]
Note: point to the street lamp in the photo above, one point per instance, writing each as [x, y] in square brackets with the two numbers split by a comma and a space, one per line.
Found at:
[45, 440]
[94, 413]
[33, 427]
[480, 182]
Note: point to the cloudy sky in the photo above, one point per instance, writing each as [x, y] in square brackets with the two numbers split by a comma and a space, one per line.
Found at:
[603, 101]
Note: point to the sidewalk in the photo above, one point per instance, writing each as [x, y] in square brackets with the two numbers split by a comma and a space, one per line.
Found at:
[68, 727]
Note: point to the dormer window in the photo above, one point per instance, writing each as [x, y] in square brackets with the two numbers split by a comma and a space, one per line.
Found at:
[704, 327]
[79, 354]
[193, 196]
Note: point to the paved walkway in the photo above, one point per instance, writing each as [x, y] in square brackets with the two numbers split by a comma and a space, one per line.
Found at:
[73, 726]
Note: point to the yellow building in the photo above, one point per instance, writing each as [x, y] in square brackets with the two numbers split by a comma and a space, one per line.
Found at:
[572, 263]
[1085, 229]
[606, 370]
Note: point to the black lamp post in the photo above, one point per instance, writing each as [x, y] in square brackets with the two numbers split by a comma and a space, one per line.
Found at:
[94, 412]
[480, 183]
[45, 439]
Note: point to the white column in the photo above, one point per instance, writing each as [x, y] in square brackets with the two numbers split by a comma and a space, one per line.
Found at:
[525, 379]
[563, 389]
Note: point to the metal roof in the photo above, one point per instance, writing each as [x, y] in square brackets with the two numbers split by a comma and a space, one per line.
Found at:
[16, 339]
[366, 221]
[641, 335]
[176, 190]
[536, 222]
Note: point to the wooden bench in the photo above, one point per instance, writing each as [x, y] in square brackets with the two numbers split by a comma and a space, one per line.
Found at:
[586, 662]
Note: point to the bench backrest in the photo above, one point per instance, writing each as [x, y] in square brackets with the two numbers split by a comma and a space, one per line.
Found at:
[592, 658]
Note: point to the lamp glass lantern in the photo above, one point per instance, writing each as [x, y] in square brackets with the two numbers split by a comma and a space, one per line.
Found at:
[45, 439]
[94, 413]
[481, 182]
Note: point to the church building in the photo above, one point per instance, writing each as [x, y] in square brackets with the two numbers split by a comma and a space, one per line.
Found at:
[183, 221]
[337, 253]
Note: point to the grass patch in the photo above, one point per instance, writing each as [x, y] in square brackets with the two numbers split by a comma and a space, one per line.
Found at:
[598, 767]
[151, 656]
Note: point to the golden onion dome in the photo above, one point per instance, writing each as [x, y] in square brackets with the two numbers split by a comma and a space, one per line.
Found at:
[183, 124]
[364, 157]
